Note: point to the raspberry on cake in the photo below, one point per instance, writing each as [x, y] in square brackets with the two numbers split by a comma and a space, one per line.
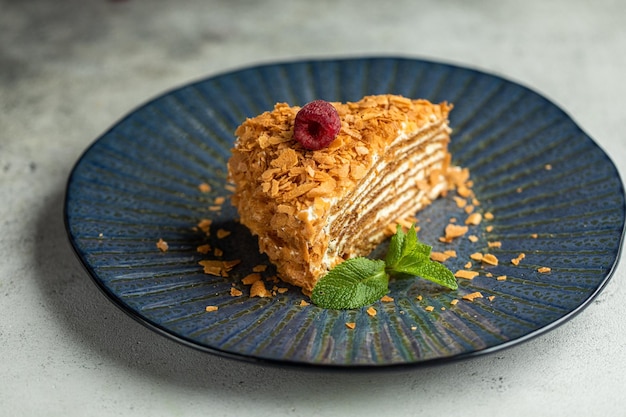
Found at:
[312, 208]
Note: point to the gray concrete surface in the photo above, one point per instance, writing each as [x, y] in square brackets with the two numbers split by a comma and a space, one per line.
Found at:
[70, 69]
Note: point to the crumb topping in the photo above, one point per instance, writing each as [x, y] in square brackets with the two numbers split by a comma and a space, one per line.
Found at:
[293, 176]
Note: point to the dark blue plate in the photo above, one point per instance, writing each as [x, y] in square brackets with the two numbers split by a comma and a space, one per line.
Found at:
[554, 194]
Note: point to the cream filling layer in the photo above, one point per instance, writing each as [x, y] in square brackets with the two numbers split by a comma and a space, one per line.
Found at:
[406, 199]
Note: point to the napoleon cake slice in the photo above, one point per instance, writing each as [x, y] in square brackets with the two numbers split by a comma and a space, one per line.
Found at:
[312, 209]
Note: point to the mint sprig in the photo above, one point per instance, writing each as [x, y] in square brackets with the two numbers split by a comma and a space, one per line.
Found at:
[361, 281]
[408, 256]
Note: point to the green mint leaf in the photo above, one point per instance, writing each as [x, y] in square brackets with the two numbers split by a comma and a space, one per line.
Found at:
[432, 271]
[412, 245]
[354, 283]
[412, 258]
[420, 248]
[403, 245]
[409, 263]
[396, 246]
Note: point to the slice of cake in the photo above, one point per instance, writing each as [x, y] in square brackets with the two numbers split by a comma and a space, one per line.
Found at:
[311, 209]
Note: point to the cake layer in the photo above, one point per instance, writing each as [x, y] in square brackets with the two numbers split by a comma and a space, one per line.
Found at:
[312, 209]
[397, 190]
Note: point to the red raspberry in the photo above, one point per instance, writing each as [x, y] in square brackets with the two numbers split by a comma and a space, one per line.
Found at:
[317, 125]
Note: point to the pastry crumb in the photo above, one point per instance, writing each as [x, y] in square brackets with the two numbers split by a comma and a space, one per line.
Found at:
[464, 192]
[351, 325]
[204, 249]
[465, 274]
[473, 296]
[516, 261]
[217, 267]
[386, 299]
[474, 219]
[453, 231]
[258, 289]
[490, 259]
[477, 256]
[442, 256]
[438, 256]
[222, 233]
[210, 309]
[205, 226]
[460, 202]
[162, 245]
[251, 278]
[371, 311]
[204, 187]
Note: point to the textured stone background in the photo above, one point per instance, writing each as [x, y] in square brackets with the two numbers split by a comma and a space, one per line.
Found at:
[69, 69]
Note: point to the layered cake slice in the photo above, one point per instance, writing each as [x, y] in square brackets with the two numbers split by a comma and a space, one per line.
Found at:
[314, 205]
